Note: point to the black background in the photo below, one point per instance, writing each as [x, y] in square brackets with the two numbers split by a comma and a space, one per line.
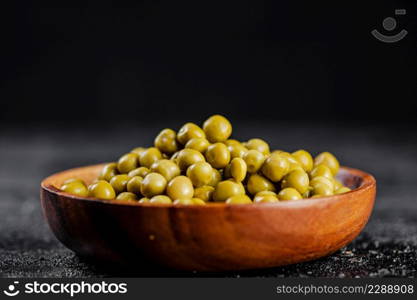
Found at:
[109, 62]
[83, 83]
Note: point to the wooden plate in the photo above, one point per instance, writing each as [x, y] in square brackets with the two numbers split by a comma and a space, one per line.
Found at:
[215, 237]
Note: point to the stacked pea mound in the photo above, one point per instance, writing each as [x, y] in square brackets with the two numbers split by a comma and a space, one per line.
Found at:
[198, 165]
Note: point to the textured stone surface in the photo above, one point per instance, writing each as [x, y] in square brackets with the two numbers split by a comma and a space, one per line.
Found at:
[387, 246]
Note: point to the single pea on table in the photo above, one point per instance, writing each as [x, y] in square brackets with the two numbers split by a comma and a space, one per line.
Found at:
[202, 165]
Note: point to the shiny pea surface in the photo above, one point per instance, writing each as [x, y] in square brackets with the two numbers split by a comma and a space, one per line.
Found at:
[200, 163]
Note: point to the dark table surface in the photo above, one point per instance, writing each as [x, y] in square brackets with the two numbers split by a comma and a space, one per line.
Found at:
[386, 247]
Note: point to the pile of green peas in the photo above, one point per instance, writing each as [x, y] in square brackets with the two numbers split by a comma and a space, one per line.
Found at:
[198, 165]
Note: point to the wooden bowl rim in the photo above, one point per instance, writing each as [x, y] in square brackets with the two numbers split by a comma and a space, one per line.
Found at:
[368, 182]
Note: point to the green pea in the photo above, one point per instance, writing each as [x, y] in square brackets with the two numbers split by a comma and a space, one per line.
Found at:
[254, 160]
[258, 183]
[226, 189]
[218, 155]
[321, 170]
[275, 168]
[160, 199]
[304, 159]
[297, 179]
[153, 184]
[259, 145]
[141, 171]
[75, 187]
[265, 197]
[166, 168]
[198, 144]
[127, 163]
[102, 190]
[119, 182]
[149, 156]
[204, 192]
[289, 194]
[217, 129]
[329, 160]
[166, 141]
[108, 171]
[200, 173]
[238, 169]
[239, 199]
[127, 196]
[188, 157]
[188, 132]
[134, 185]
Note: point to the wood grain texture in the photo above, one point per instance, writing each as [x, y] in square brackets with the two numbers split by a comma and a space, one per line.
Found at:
[215, 237]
